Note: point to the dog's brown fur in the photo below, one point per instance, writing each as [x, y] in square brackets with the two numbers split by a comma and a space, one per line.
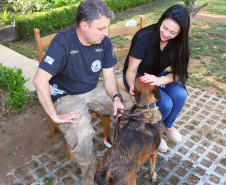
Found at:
[137, 142]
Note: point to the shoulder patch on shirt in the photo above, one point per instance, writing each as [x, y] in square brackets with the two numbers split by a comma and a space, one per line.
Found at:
[98, 50]
[74, 52]
[49, 60]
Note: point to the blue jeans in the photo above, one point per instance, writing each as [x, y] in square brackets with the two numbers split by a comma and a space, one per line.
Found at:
[173, 97]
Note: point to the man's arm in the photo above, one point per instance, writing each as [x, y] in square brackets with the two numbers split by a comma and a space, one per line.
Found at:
[41, 82]
[111, 87]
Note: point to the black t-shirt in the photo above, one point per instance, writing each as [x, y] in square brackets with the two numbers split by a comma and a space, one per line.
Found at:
[75, 68]
[143, 47]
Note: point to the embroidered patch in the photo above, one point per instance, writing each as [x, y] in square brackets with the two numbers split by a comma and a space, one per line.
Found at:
[98, 50]
[49, 60]
[74, 52]
[96, 66]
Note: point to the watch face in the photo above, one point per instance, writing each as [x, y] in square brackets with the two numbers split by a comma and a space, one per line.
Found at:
[96, 66]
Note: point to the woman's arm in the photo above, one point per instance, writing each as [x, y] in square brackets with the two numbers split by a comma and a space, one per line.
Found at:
[131, 72]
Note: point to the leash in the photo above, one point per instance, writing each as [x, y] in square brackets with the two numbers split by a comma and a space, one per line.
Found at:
[130, 114]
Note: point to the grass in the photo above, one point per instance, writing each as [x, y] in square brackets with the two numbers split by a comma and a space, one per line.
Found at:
[207, 40]
[216, 7]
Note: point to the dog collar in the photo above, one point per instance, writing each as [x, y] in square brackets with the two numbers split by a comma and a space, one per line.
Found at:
[148, 107]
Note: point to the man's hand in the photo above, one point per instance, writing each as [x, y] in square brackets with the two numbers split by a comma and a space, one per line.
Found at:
[66, 118]
[117, 104]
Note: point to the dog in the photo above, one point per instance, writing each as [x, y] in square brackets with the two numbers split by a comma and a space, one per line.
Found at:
[137, 142]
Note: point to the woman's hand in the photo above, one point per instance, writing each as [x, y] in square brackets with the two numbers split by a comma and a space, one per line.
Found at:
[152, 79]
[131, 91]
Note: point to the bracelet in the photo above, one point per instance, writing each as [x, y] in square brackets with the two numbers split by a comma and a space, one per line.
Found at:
[164, 82]
[117, 95]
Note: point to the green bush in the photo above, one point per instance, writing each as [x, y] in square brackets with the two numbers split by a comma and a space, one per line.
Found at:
[6, 17]
[12, 89]
[63, 16]
[118, 5]
[45, 21]
[31, 6]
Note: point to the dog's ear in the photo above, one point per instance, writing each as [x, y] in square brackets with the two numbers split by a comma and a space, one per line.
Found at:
[137, 95]
[157, 93]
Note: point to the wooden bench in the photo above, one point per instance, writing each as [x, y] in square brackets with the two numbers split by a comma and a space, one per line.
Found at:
[42, 42]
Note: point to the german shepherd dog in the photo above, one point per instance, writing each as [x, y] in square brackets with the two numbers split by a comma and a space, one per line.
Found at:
[137, 142]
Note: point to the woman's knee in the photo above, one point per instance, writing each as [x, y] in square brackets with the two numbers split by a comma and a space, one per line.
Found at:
[180, 95]
[165, 105]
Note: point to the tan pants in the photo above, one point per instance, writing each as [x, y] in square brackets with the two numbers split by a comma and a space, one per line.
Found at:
[80, 135]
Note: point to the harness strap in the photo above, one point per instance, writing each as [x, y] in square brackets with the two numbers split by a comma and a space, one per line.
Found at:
[122, 111]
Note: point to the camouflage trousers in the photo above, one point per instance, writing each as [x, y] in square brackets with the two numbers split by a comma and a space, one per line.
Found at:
[80, 135]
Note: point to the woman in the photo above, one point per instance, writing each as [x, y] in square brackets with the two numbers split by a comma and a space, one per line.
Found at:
[155, 48]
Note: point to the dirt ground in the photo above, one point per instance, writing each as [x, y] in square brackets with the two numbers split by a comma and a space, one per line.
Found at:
[22, 134]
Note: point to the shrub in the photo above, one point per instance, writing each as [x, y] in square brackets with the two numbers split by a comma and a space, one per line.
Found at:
[45, 21]
[12, 89]
[6, 17]
[63, 16]
[118, 5]
[31, 6]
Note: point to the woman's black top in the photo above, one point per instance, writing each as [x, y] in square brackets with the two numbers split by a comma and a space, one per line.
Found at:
[143, 47]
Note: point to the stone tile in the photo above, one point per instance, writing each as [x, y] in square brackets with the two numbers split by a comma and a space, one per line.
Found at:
[215, 117]
[206, 143]
[176, 158]
[200, 171]
[181, 172]
[189, 144]
[29, 179]
[182, 150]
[173, 180]
[44, 158]
[206, 163]
[184, 132]
[188, 164]
[68, 180]
[200, 150]
[221, 171]
[211, 156]
[170, 165]
[214, 179]
[162, 173]
[194, 157]
[193, 179]
[217, 149]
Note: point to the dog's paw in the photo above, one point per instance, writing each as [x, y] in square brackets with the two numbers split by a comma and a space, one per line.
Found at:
[154, 176]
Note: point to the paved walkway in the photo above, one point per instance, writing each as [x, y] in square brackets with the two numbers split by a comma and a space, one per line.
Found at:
[199, 159]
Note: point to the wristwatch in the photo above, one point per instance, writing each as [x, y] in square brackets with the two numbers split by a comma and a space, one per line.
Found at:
[117, 95]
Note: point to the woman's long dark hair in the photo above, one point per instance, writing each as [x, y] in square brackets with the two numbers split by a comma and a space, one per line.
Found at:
[181, 52]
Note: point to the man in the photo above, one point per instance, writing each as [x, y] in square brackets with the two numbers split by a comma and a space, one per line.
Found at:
[67, 80]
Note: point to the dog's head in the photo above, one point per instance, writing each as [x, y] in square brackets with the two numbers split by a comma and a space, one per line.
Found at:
[145, 93]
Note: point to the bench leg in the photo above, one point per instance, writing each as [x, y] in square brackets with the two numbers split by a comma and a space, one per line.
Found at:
[106, 119]
[51, 126]
[69, 154]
